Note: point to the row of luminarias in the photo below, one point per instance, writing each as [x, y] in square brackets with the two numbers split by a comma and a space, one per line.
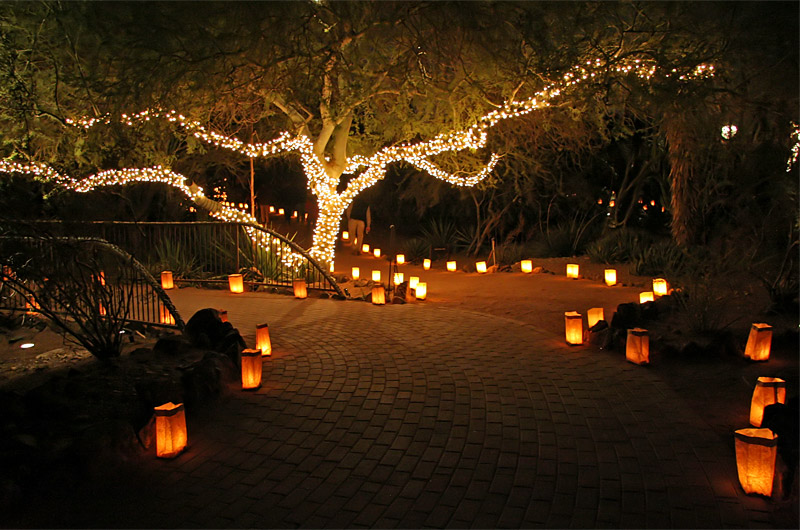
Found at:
[171, 433]
[756, 448]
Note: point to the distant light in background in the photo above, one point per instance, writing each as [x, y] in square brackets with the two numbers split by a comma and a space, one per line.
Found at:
[729, 131]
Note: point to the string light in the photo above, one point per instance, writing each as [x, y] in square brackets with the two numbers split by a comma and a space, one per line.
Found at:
[795, 148]
[372, 168]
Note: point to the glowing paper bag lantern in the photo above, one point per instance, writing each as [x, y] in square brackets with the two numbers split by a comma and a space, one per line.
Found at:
[573, 324]
[271, 209]
[345, 236]
[102, 278]
[426, 264]
[573, 270]
[398, 278]
[365, 248]
[451, 266]
[759, 342]
[294, 214]
[756, 451]
[376, 252]
[376, 276]
[413, 282]
[610, 276]
[378, 295]
[646, 296]
[422, 291]
[103, 311]
[480, 267]
[251, 369]
[32, 306]
[526, 265]
[236, 283]
[637, 348]
[594, 315]
[769, 390]
[660, 286]
[281, 212]
[262, 339]
[171, 434]
[355, 273]
[165, 317]
[300, 288]
[401, 258]
[166, 280]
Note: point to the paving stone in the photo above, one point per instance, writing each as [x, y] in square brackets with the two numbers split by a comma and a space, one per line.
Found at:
[470, 421]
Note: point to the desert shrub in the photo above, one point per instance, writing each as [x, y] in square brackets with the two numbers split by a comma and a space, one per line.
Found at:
[617, 246]
[176, 257]
[85, 288]
[662, 258]
[440, 233]
[571, 237]
[416, 249]
[704, 281]
[510, 253]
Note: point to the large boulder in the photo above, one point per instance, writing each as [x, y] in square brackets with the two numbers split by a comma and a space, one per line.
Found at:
[207, 330]
[627, 316]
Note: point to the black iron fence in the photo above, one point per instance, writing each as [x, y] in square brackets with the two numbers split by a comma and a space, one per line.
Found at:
[207, 252]
[81, 283]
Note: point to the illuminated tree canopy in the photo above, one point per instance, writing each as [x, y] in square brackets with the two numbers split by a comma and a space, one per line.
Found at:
[347, 87]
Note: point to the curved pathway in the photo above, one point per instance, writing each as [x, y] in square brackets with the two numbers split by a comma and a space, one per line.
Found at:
[418, 416]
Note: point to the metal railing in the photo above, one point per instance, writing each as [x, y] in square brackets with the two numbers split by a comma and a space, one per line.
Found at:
[87, 280]
[207, 252]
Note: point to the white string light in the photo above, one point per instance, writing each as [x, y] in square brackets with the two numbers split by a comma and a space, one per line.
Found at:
[795, 148]
[373, 168]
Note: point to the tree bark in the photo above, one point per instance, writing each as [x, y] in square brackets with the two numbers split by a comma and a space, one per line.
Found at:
[681, 150]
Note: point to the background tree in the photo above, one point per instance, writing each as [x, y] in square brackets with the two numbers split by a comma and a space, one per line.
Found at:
[357, 78]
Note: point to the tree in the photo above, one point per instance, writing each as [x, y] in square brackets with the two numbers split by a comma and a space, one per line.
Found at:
[356, 86]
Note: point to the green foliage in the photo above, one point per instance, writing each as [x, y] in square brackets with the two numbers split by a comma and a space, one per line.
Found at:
[619, 245]
[257, 262]
[661, 258]
[571, 237]
[416, 249]
[440, 233]
[510, 253]
[176, 257]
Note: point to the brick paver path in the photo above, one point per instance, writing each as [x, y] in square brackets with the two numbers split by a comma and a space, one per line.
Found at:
[421, 416]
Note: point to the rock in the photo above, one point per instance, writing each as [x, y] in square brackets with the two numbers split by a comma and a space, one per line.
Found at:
[783, 420]
[627, 316]
[204, 381]
[146, 434]
[205, 329]
[537, 270]
[400, 291]
[153, 392]
[649, 310]
[171, 345]
[600, 335]
[398, 300]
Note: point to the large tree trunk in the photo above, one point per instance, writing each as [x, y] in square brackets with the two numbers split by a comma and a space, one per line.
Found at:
[681, 149]
[326, 230]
